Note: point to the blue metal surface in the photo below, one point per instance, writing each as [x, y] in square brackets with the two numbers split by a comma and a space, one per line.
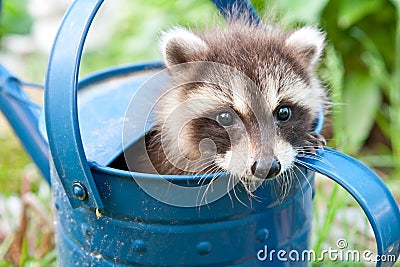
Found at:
[99, 94]
[368, 190]
[137, 230]
[239, 6]
[23, 118]
[61, 116]
[103, 215]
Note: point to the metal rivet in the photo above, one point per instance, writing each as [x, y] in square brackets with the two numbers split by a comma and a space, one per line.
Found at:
[139, 246]
[86, 229]
[56, 204]
[79, 191]
[204, 248]
[262, 234]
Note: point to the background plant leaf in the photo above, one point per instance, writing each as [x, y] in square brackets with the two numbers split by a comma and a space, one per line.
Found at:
[349, 12]
[362, 99]
[294, 11]
[14, 18]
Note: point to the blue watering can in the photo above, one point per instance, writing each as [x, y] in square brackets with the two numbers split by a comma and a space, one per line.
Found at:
[106, 215]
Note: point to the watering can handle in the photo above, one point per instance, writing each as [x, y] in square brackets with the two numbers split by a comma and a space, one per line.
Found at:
[369, 191]
[61, 112]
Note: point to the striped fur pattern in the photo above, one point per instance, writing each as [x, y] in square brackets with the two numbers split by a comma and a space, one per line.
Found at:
[269, 72]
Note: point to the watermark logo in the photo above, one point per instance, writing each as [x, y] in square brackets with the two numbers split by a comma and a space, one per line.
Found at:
[340, 253]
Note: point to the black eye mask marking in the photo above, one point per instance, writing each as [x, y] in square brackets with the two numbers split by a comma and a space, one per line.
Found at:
[294, 123]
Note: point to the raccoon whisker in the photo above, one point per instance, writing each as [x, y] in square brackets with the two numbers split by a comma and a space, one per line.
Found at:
[299, 182]
[307, 150]
[213, 169]
[204, 169]
[274, 185]
[308, 181]
[180, 159]
[209, 185]
[228, 187]
[246, 186]
[204, 164]
[281, 179]
[304, 146]
[281, 183]
[293, 173]
[201, 182]
[289, 176]
[232, 182]
[252, 195]
[320, 159]
[235, 193]
[236, 188]
[294, 176]
[284, 181]
[236, 179]
[316, 157]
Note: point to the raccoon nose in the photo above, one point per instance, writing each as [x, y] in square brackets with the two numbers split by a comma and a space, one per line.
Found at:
[262, 170]
[275, 168]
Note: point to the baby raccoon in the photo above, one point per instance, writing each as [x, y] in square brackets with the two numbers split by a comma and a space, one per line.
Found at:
[244, 101]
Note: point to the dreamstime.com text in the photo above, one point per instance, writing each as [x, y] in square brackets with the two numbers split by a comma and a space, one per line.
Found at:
[341, 253]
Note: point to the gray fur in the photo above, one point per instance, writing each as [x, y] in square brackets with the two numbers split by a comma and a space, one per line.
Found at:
[280, 65]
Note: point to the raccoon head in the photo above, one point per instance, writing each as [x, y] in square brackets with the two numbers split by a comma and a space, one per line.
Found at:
[244, 99]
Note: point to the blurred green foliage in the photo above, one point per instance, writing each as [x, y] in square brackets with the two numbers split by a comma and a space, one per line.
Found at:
[139, 26]
[14, 17]
[13, 159]
[361, 66]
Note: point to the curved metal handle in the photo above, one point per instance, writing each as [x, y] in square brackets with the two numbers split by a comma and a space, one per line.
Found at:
[368, 190]
[61, 112]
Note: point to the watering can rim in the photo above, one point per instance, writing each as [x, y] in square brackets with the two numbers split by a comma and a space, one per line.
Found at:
[122, 70]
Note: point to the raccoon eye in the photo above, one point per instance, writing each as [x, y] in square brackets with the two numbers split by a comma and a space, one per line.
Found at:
[284, 113]
[225, 118]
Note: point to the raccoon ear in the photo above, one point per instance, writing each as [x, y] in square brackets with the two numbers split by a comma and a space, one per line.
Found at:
[179, 45]
[308, 42]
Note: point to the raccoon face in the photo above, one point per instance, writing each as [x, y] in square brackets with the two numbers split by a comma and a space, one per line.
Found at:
[244, 100]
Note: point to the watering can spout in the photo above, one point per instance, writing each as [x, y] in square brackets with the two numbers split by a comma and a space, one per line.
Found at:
[23, 116]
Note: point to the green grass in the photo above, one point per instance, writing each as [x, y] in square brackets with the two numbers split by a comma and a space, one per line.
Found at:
[12, 161]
